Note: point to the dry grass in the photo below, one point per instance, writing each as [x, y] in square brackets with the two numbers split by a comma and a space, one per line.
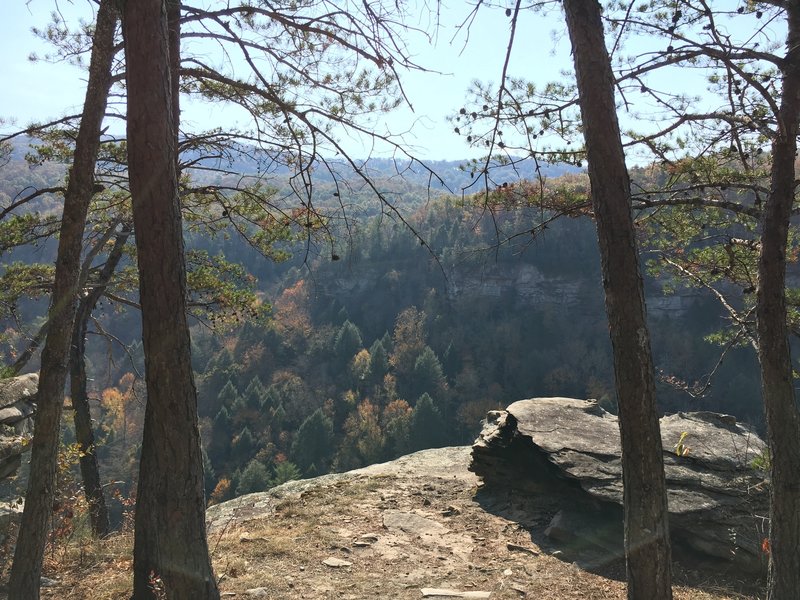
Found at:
[283, 552]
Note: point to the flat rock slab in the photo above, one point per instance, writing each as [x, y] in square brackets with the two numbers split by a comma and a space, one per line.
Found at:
[336, 563]
[448, 593]
[412, 523]
[716, 497]
[449, 463]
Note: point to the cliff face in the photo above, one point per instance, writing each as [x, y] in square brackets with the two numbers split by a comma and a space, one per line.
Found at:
[528, 286]
[522, 284]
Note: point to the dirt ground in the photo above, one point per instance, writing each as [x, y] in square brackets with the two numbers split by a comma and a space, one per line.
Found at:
[401, 530]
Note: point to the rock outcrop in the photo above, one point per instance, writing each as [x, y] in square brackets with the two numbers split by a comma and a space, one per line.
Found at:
[17, 406]
[718, 500]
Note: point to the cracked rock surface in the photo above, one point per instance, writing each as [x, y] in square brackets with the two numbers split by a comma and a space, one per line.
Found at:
[570, 448]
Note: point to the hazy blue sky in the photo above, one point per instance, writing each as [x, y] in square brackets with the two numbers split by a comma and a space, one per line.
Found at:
[37, 91]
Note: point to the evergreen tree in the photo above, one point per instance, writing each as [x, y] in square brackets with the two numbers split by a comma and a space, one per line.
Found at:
[387, 342]
[254, 394]
[220, 370]
[29, 551]
[347, 342]
[427, 426]
[229, 397]
[451, 361]
[427, 375]
[223, 419]
[244, 445]
[278, 418]
[170, 523]
[271, 400]
[283, 472]
[313, 444]
[378, 360]
[298, 400]
[254, 478]
[397, 416]
[221, 435]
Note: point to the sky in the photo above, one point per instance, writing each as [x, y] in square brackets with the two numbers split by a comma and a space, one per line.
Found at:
[37, 91]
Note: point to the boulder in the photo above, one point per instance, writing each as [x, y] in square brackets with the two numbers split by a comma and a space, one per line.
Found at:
[18, 400]
[17, 407]
[717, 498]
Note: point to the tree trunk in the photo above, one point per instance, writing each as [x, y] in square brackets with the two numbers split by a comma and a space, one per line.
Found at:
[647, 547]
[777, 385]
[28, 556]
[84, 432]
[170, 536]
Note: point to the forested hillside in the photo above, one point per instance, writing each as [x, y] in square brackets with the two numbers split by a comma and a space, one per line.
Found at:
[397, 332]
[241, 204]
[399, 337]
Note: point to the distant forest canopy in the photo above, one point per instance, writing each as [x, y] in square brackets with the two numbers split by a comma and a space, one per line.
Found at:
[395, 336]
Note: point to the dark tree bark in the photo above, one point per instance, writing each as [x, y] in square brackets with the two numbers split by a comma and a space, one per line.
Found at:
[170, 534]
[84, 431]
[26, 571]
[647, 547]
[777, 385]
[174, 42]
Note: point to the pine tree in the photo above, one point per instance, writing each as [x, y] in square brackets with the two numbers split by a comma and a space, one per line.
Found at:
[254, 478]
[427, 426]
[244, 445]
[427, 375]
[397, 419]
[254, 394]
[346, 343]
[221, 435]
[313, 444]
[378, 361]
[283, 472]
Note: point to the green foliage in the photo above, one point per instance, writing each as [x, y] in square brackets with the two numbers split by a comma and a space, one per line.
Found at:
[496, 349]
[347, 342]
[243, 445]
[428, 429]
[26, 229]
[763, 461]
[378, 360]
[209, 476]
[229, 397]
[255, 394]
[397, 424]
[427, 376]
[283, 472]
[313, 445]
[254, 478]
[222, 292]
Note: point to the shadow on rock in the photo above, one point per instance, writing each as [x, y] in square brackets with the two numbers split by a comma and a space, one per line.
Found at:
[553, 465]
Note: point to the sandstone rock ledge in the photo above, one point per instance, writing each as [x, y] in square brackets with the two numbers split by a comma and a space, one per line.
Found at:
[444, 463]
[569, 449]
